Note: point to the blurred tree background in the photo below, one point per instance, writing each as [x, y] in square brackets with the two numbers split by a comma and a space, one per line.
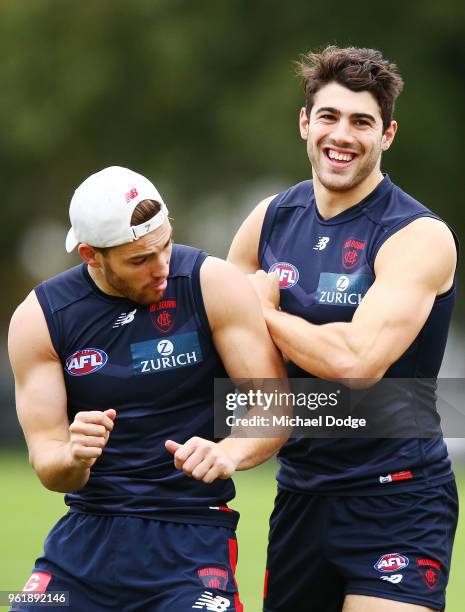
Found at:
[201, 97]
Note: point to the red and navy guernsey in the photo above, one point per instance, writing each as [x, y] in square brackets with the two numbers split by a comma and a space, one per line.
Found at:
[325, 268]
[154, 365]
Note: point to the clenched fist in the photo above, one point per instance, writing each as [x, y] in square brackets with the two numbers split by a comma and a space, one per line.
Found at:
[89, 433]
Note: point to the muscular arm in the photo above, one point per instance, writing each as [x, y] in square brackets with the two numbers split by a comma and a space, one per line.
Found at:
[60, 454]
[241, 338]
[390, 316]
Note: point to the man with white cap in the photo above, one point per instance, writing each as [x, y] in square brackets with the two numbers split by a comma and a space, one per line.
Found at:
[114, 359]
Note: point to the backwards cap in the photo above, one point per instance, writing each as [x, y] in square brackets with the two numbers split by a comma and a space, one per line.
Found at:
[102, 206]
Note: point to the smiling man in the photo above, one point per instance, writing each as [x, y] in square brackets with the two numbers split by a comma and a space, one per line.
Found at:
[362, 286]
[114, 362]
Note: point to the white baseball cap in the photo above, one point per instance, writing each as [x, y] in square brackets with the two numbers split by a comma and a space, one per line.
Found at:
[102, 206]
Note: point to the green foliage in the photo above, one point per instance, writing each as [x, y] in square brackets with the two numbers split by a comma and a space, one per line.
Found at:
[201, 96]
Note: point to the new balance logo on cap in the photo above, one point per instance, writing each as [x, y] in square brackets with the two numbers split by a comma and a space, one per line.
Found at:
[207, 601]
[131, 194]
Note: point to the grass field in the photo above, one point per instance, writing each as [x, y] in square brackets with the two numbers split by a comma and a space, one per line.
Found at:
[28, 511]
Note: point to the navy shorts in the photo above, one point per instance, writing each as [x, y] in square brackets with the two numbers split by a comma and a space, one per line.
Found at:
[397, 546]
[137, 565]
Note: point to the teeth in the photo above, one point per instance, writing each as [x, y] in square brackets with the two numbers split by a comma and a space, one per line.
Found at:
[340, 156]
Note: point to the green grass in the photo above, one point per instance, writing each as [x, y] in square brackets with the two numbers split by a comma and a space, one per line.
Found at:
[28, 511]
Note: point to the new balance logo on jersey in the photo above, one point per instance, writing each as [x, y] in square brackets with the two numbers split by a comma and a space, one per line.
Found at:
[207, 601]
[395, 579]
[125, 318]
[321, 244]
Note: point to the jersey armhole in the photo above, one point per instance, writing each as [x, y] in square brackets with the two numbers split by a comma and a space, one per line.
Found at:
[267, 226]
[47, 308]
[197, 298]
[387, 233]
[392, 230]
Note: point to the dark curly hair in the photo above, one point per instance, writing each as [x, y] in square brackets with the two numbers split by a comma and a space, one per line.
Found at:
[356, 69]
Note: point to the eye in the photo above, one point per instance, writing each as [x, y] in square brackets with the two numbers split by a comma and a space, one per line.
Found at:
[361, 122]
[139, 261]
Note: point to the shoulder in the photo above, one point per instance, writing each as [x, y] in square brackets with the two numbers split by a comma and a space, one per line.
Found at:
[424, 248]
[244, 247]
[29, 309]
[184, 260]
[220, 273]
[227, 293]
[28, 333]
[422, 233]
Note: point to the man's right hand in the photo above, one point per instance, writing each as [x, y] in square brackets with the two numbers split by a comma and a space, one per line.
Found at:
[89, 434]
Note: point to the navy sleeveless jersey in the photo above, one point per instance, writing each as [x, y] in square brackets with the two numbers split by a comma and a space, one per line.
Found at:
[155, 366]
[326, 267]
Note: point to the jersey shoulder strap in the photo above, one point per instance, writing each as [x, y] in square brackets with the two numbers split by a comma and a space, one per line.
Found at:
[298, 196]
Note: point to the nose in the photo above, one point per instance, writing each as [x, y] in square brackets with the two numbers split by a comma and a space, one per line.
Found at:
[161, 268]
[341, 133]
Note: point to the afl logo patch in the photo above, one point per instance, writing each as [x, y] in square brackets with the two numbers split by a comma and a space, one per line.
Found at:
[287, 273]
[85, 361]
[392, 562]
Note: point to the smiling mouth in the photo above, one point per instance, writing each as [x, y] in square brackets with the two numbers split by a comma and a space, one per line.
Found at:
[339, 157]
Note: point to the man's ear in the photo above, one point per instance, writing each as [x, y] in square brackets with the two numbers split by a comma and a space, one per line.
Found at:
[303, 123]
[388, 136]
[89, 255]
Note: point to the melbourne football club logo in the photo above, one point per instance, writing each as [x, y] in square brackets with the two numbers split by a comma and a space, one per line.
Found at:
[85, 361]
[430, 571]
[287, 273]
[163, 314]
[391, 562]
[213, 577]
[351, 252]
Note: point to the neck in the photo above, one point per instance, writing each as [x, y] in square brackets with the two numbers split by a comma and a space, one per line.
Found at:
[331, 203]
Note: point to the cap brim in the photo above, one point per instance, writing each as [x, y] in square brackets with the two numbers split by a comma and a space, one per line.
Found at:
[71, 241]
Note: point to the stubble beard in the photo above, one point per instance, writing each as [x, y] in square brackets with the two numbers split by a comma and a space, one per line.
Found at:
[338, 183]
[124, 289]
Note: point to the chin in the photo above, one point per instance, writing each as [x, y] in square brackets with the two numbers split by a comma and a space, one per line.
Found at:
[152, 297]
[338, 184]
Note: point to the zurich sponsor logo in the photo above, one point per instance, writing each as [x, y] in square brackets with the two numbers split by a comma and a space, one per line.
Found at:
[342, 283]
[165, 347]
[85, 361]
[177, 351]
[342, 289]
[391, 562]
[287, 273]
